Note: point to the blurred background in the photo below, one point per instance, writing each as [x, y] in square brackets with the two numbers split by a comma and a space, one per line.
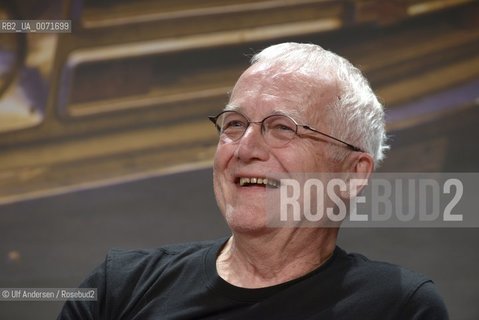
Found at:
[104, 140]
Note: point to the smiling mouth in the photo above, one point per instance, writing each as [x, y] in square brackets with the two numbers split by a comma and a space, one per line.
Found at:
[254, 181]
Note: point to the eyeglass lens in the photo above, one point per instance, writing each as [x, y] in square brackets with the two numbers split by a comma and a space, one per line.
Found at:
[277, 130]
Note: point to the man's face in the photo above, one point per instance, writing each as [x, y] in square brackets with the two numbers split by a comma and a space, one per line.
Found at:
[258, 94]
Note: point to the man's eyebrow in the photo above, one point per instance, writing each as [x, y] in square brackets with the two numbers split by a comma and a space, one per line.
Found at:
[229, 107]
[290, 112]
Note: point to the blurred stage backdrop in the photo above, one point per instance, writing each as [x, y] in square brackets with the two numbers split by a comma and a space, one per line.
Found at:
[104, 140]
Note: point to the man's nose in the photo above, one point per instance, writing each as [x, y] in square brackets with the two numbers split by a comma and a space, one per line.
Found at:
[252, 145]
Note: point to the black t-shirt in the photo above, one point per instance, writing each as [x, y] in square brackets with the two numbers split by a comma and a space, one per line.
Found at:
[181, 282]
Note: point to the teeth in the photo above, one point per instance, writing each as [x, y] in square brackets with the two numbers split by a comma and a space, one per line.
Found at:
[273, 183]
[244, 181]
[259, 181]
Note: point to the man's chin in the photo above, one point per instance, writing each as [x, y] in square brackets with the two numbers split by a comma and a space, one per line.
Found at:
[253, 228]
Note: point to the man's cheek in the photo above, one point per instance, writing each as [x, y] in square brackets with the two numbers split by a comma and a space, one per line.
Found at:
[219, 193]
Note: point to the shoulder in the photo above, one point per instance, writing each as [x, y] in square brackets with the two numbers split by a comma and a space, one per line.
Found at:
[131, 275]
[121, 263]
[413, 294]
[381, 271]
[164, 252]
[125, 276]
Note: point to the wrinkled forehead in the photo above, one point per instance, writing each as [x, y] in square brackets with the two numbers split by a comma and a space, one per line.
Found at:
[284, 89]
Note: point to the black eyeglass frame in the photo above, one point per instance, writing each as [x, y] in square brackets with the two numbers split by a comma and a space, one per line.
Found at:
[214, 119]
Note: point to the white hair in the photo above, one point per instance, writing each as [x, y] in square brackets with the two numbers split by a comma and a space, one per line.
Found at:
[357, 116]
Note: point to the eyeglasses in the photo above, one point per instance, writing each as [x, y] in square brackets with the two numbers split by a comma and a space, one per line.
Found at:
[277, 129]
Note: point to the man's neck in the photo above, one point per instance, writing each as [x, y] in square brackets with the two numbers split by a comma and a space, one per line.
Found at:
[262, 261]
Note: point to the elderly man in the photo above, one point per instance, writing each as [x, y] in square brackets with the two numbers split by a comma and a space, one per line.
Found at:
[297, 109]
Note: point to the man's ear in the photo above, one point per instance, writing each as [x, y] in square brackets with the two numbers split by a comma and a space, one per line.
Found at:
[357, 169]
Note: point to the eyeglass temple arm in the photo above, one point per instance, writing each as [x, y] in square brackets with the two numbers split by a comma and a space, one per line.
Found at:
[350, 146]
[213, 119]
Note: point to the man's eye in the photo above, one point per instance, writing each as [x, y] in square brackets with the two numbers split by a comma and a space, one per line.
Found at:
[283, 127]
[234, 124]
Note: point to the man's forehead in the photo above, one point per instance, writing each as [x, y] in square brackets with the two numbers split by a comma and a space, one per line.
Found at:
[269, 86]
[265, 100]
[283, 81]
[286, 91]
